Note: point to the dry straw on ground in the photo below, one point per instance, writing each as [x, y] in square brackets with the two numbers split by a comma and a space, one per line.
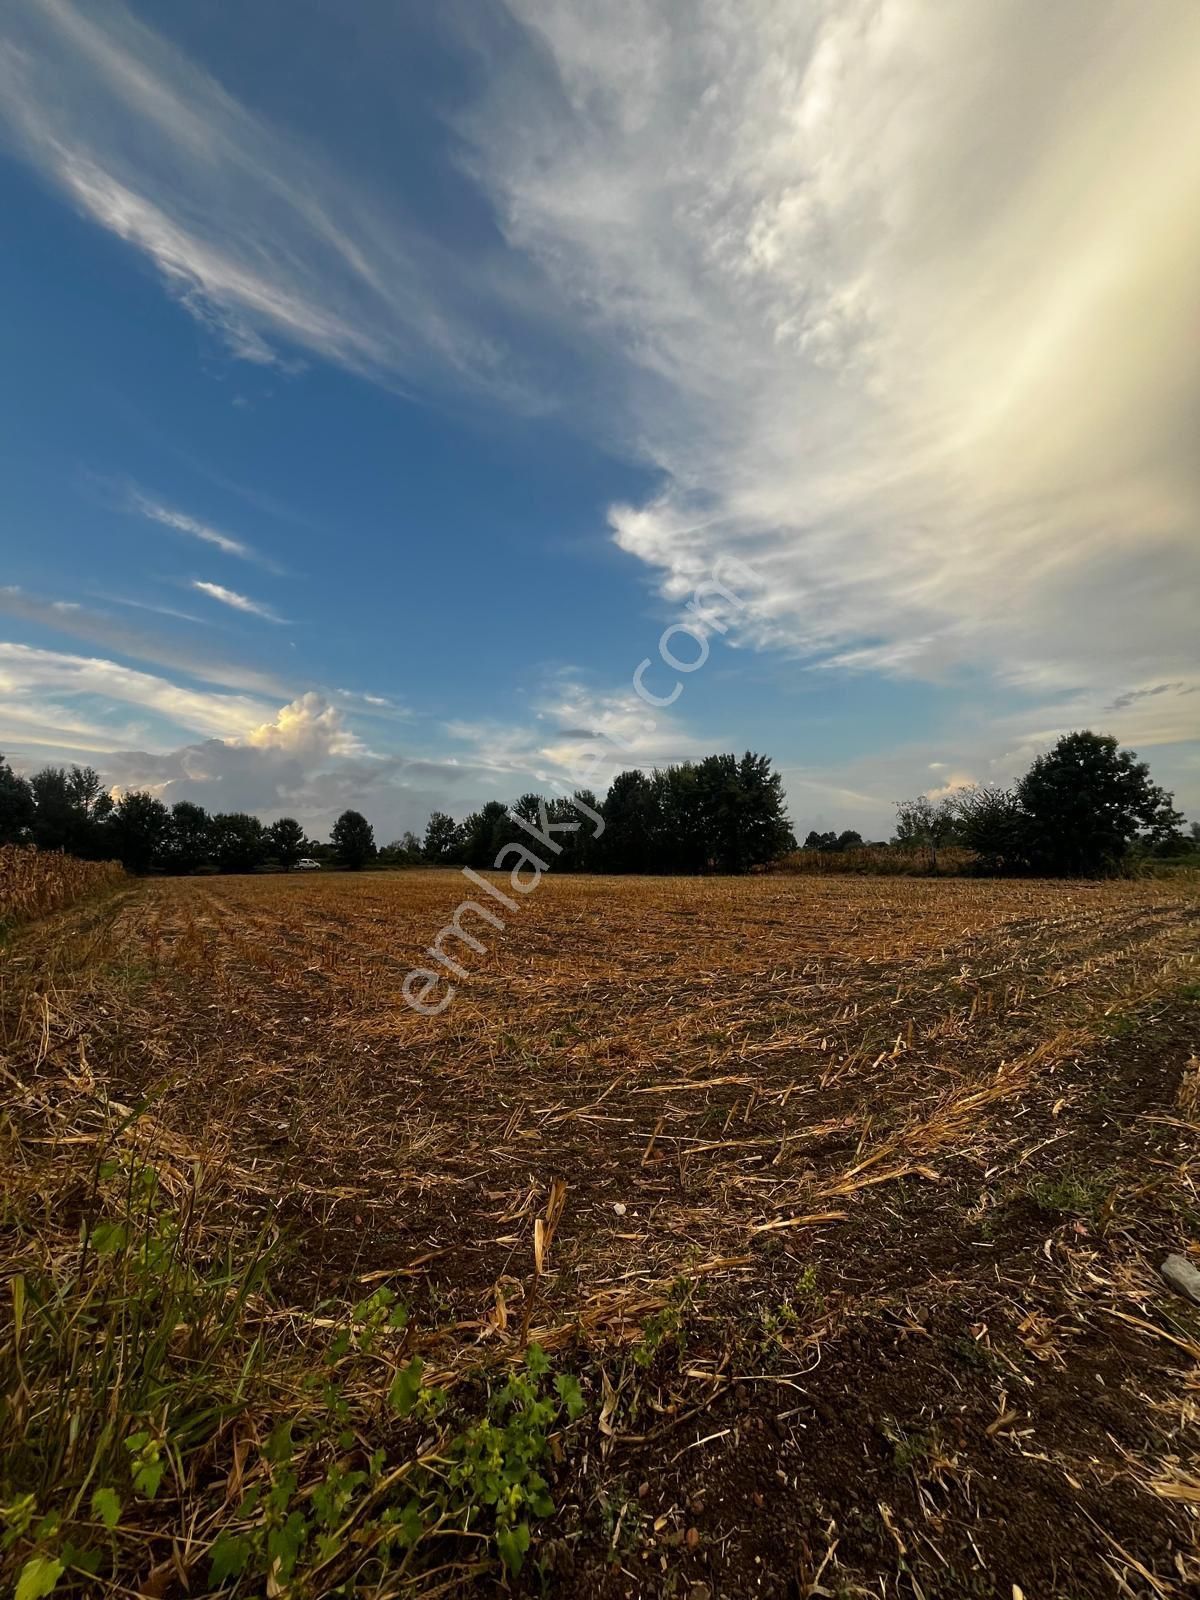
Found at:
[842, 1198]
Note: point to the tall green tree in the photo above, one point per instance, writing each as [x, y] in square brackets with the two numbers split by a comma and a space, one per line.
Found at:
[444, 839]
[631, 824]
[993, 823]
[239, 841]
[56, 822]
[139, 829]
[581, 847]
[285, 840]
[353, 838]
[926, 824]
[485, 833]
[72, 810]
[189, 843]
[683, 820]
[743, 818]
[1087, 800]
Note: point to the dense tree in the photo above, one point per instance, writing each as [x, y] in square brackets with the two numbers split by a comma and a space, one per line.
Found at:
[993, 823]
[239, 841]
[285, 841]
[484, 834]
[56, 822]
[72, 808]
[744, 821]
[87, 794]
[189, 841]
[354, 840]
[720, 814]
[139, 829]
[926, 824]
[631, 823]
[17, 809]
[684, 817]
[848, 839]
[402, 852]
[581, 848]
[1086, 801]
[443, 839]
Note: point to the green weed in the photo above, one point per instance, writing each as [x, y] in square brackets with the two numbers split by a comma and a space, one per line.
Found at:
[143, 1380]
[666, 1326]
[1071, 1194]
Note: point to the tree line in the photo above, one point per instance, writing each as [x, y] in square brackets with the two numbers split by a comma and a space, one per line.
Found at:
[1086, 808]
[721, 814]
[70, 809]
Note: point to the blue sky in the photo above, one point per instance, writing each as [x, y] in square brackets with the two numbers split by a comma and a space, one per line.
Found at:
[380, 386]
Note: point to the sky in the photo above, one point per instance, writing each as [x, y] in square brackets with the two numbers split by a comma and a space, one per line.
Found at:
[383, 381]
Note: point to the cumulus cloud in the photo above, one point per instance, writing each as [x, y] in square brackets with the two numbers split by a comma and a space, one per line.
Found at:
[305, 761]
[271, 764]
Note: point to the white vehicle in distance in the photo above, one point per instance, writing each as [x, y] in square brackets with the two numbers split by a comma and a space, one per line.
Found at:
[307, 864]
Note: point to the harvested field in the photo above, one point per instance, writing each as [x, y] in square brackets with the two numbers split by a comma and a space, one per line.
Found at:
[842, 1199]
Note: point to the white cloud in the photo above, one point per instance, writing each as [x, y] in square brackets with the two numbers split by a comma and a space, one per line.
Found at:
[35, 684]
[236, 601]
[901, 297]
[308, 728]
[155, 511]
[303, 760]
[260, 236]
[114, 634]
[576, 735]
[954, 784]
[908, 292]
[158, 611]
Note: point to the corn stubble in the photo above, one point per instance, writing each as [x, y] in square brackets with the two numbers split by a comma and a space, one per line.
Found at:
[310, 1294]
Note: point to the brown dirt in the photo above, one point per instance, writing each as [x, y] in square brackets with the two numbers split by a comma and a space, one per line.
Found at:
[964, 1379]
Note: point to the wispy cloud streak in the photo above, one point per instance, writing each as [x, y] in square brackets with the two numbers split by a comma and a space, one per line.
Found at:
[260, 235]
[168, 517]
[236, 601]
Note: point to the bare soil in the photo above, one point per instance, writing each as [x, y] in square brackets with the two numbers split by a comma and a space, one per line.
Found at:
[851, 1196]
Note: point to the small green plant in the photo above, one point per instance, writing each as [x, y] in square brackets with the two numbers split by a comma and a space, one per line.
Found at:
[665, 1326]
[776, 1322]
[912, 1449]
[1071, 1194]
[974, 1354]
[496, 1462]
[806, 1284]
[127, 1366]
